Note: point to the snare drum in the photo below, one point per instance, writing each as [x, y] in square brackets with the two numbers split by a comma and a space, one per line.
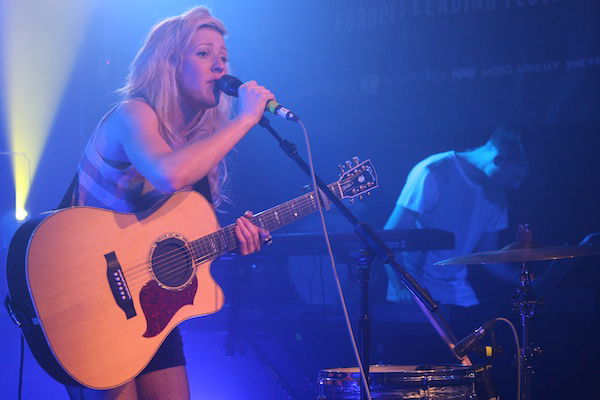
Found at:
[391, 382]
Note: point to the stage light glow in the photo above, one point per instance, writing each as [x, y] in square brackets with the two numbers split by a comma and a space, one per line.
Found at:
[40, 42]
[21, 165]
[21, 214]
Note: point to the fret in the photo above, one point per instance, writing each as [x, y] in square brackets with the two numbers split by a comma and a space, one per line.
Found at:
[224, 240]
[293, 209]
[195, 250]
[212, 243]
[222, 244]
[231, 238]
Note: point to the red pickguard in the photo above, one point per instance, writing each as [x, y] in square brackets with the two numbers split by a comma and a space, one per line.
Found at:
[159, 304]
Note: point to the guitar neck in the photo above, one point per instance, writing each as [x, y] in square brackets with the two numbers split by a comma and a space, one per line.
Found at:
[224, 240]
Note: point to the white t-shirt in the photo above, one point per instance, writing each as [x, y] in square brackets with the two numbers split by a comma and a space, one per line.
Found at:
[438, 189]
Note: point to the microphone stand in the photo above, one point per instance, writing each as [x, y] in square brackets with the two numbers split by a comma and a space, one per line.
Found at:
[376, 247]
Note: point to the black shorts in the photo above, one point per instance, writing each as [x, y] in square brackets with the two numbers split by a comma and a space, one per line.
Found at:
[169, 354]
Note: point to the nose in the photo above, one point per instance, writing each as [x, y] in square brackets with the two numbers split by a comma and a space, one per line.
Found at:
[218, 65]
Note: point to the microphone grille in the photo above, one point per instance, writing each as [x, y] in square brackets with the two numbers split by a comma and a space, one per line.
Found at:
[229, 85]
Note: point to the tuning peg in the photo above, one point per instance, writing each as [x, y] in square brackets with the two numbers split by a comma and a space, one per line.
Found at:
[368, 193]
[356, 160]
[341, 167]
[352, 200]
[360, 197]
[348, 164]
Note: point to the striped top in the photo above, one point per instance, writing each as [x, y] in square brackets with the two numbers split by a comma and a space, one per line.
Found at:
[117, 186]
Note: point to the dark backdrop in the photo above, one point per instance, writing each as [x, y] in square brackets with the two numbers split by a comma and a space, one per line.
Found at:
[393, 81]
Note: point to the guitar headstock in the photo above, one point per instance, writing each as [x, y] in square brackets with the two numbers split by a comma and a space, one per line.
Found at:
[357, 179]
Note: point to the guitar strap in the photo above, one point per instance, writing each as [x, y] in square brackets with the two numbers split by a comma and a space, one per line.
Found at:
[67, 200]
[203, 187]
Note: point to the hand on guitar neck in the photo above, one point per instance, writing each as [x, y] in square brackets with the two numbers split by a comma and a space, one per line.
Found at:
[250, 237]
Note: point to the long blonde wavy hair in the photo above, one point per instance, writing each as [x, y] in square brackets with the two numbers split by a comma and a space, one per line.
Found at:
[153, 77]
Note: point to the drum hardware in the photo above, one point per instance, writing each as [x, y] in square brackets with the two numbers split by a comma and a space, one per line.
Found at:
[423, 382]
[522, 251]
[525, 302]
[362, 258]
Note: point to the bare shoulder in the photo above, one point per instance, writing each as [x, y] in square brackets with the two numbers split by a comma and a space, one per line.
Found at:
[132, 118]
[135, 113]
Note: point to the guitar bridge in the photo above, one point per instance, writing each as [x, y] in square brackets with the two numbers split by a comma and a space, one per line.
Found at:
[118, 285]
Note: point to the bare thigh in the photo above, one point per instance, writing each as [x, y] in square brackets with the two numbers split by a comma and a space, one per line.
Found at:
[127, 391]
[164, 384]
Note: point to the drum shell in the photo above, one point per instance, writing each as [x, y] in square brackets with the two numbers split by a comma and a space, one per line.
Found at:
[390, 382]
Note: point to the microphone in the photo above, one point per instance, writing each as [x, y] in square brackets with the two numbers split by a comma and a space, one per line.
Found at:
[229, 85]
[468, 342]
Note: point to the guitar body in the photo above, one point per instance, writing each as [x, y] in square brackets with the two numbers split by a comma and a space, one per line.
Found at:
[106, 288]
[95, 292]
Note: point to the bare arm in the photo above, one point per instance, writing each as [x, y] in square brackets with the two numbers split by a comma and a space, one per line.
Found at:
[136, 129]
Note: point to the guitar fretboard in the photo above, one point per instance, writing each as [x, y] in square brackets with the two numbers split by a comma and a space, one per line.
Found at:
[224, 240]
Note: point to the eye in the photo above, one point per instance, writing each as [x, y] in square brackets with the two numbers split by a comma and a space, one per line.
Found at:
[224, 59]
[203, 53]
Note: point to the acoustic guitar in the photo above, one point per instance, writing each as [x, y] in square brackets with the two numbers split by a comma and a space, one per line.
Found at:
[96, 292]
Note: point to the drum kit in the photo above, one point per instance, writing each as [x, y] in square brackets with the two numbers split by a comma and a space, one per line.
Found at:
[450, 382]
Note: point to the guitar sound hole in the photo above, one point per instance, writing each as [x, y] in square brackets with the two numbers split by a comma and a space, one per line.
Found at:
[172, 262]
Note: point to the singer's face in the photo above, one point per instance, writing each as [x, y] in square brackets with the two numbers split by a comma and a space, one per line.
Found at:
[204, 62]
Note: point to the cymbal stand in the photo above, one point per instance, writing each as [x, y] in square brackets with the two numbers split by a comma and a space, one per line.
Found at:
[525, 302]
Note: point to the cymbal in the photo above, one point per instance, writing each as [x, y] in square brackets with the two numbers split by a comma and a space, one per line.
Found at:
[520, 252]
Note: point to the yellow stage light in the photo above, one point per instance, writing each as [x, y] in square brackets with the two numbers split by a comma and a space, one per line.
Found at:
[40, 42]
[21, 214]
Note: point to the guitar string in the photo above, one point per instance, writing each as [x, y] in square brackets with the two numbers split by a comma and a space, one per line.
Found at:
[306, 202]
[199, 246]
[181, 259]
[303, 203]
[203, 244]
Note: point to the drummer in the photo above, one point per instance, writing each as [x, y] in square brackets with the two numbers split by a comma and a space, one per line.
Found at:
[463, 192]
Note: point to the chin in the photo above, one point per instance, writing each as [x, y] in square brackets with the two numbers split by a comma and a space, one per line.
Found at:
[210, 101]
[204, 104]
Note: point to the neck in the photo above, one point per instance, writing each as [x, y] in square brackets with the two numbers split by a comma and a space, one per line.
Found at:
[474, 163]
[187, 114]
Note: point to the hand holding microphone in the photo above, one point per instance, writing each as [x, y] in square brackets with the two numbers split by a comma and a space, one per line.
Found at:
[252, 94]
